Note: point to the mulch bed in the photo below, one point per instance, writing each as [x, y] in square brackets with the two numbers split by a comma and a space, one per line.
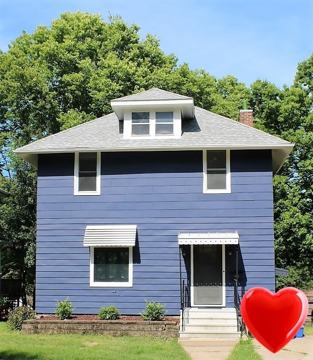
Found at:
[96, 317]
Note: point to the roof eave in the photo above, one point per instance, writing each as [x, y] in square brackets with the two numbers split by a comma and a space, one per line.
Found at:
[279, 152]
[185, 105]
[279, 155]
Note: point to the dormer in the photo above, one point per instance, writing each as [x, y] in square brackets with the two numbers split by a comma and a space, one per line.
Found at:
[155, 114]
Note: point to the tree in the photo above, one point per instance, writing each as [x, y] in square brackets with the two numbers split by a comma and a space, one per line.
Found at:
[288, 113]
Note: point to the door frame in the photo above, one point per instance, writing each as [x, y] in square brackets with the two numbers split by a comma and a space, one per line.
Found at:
[223, 279]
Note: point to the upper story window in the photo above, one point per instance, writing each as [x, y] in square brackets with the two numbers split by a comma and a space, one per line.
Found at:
[216, 171]
[87, 173]
[152, 124]
[140, 124]
[164, 123]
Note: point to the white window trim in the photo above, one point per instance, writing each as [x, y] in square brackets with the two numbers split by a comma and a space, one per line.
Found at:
[147, 123]
[113, 283]
[228, 175]
[223, 304]
[76, 176]
[177, 127]
[167, 123]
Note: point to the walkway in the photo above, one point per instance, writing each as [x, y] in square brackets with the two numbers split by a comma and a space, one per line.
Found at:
[208, 349]
[297, 349]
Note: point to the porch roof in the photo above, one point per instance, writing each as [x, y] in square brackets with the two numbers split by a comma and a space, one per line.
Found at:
[208, 238]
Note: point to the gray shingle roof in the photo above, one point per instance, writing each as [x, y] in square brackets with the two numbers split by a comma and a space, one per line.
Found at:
[153, 94]
[206, 130]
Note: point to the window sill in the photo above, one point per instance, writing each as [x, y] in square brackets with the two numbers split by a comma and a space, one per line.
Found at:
[145, 137]
[225, 191]
[111, 284]
[84, 193]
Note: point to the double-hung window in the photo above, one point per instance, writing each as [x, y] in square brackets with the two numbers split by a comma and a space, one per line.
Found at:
[164, 123]
[140, 124]
[216, 171]
[152, 124]
[111, 266]
[87, 173]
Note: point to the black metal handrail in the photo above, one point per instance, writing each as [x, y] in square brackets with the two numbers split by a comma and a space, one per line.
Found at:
[241, 326]
[184, 300]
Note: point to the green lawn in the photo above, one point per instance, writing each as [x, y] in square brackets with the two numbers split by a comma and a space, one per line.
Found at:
[17, 346]
[308, 330]
[244, 350]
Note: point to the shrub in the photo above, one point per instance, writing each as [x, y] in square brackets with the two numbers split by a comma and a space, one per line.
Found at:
[154, 311]
[64, 309]
[18, 316]
[4, 302]
[5, 305]
[109, 313]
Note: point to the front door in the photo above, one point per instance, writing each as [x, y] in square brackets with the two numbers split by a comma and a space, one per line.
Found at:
[207, 274]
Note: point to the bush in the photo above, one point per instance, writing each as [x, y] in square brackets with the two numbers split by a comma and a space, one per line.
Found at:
[5, 305]
[18, 316]
[64, 309]
[109, 313]
[154, 311]
[4, 302]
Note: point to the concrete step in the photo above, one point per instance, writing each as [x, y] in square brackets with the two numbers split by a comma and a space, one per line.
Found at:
[210, 329]
[209, 315]
[212, 321]
[211, 310]
[212, 336]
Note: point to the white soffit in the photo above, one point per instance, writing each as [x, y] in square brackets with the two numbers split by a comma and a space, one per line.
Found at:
[110, 235]
[208, 238]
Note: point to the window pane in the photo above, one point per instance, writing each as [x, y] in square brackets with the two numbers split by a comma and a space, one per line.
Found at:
[216, 159]
[87, 161]
[166, 129]
[216, 179]
[140, 117]
[111, 264]
[87, 172]
[164, 117]
[140, 129]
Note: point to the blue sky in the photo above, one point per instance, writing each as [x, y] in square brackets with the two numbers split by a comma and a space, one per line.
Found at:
[256, 39]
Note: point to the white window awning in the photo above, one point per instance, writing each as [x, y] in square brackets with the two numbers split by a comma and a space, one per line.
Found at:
[208, 238]
[110, 235]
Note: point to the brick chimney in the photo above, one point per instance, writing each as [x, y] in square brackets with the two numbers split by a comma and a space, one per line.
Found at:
[246, 117]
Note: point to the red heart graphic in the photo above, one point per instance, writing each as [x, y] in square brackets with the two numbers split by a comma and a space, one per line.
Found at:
[274, 319]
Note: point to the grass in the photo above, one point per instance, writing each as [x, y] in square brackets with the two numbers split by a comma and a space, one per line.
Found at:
[244, 350]
[308, 330]
[18, 346]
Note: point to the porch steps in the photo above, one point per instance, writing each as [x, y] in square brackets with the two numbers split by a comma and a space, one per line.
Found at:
[207, 323]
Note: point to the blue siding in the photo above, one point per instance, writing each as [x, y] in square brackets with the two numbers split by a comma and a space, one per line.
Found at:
[161, 192]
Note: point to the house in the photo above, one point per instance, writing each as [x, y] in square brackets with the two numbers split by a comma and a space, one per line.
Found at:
[159, 200]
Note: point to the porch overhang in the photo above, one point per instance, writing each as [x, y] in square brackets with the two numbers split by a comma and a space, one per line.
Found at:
[110, 235]
[208, 238]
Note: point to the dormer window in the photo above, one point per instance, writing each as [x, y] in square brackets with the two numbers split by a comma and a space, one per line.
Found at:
[164, 123]
[153, 114]
[154, 123]
[140, 124]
